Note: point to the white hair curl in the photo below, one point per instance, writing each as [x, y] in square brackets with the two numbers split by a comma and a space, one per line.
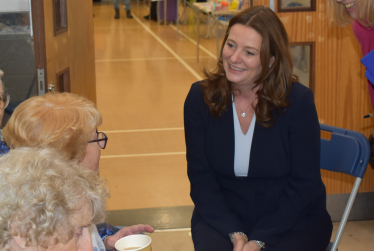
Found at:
[40, 192]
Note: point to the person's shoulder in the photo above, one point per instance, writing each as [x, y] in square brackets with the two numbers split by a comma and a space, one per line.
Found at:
[195, 100]
[196, 87]
[196, 91]
[298, 87]
[299, 90]
[4, 149]
[300, 97]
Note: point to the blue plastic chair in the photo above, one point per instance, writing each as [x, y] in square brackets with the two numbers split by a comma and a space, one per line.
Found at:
[346, 152]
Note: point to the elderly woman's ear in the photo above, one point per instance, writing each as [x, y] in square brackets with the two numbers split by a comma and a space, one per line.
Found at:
[19, 241]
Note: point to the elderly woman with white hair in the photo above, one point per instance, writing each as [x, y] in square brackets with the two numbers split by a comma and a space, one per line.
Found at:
[47, 203]
[4, 101]
[68, 123]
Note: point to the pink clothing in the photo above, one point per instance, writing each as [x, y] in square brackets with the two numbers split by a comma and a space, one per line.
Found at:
[365, 37]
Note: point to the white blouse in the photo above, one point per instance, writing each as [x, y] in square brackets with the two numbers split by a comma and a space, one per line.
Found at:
[243, 144]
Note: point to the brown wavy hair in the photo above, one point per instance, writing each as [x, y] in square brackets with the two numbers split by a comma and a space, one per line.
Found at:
[275, 81]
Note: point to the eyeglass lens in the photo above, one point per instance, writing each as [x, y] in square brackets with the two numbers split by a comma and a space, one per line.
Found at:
[102, 143]
[4, 100]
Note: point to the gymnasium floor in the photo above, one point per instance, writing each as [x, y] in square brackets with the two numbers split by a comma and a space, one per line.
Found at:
[143, 75]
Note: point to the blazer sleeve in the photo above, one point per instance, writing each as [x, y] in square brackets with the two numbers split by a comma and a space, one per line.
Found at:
[304, 186]
[209, 201]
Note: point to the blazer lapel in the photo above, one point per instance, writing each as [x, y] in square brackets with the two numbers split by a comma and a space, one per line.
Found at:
[222, 143]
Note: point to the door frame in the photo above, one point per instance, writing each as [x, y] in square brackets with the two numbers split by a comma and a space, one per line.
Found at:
[37, 13]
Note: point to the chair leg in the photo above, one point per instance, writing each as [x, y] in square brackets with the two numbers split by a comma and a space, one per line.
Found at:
[329, 247]
[346, 213]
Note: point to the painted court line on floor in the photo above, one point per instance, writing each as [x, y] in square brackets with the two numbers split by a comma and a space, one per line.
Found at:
[117, 28]
[146, 130]
[132, 59]
[142, 59]
[194, 42]
[172, 230]
[192, 71]
[140, 155]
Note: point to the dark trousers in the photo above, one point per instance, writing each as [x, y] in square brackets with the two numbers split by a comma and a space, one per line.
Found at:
[314, 237]
[153, 11]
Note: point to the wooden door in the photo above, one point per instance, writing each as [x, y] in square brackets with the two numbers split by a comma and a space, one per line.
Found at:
[64, 45]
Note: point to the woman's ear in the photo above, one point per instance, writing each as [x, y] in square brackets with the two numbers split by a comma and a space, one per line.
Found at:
[272, 59]
[19, 242]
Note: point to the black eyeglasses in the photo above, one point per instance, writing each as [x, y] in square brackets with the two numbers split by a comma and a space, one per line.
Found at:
[4, 100]
[101, 140]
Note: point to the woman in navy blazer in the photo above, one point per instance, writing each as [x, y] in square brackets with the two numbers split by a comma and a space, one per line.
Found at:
[253, 147]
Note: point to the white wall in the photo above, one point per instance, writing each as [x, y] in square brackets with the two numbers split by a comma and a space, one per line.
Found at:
[14, 5]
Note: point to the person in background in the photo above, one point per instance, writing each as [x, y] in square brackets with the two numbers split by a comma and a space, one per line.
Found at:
[127, 8]
[47, 203]
[342, 12]
[68, 123]
[14, 21]
[152, 11]
[253, 146]
[4, 101]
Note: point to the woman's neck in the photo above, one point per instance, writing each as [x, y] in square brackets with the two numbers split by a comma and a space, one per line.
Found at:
[245, 93]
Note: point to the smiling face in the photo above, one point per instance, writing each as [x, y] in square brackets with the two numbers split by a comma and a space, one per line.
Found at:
[241, 55]
[350, 6]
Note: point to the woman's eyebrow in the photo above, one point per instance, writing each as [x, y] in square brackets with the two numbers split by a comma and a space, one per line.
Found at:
[249, 47]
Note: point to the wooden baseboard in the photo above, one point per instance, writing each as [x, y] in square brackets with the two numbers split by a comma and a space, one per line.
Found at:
[159, 218]
[363, 207]
[180, 217]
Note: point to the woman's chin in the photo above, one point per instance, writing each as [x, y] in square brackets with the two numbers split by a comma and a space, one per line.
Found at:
[352, 14]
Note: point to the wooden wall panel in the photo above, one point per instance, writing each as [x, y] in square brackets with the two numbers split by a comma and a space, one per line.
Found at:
[341, 92]
[260, 2]
[74, 48]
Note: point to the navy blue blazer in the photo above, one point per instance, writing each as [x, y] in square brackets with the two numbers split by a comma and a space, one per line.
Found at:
[283, 191]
